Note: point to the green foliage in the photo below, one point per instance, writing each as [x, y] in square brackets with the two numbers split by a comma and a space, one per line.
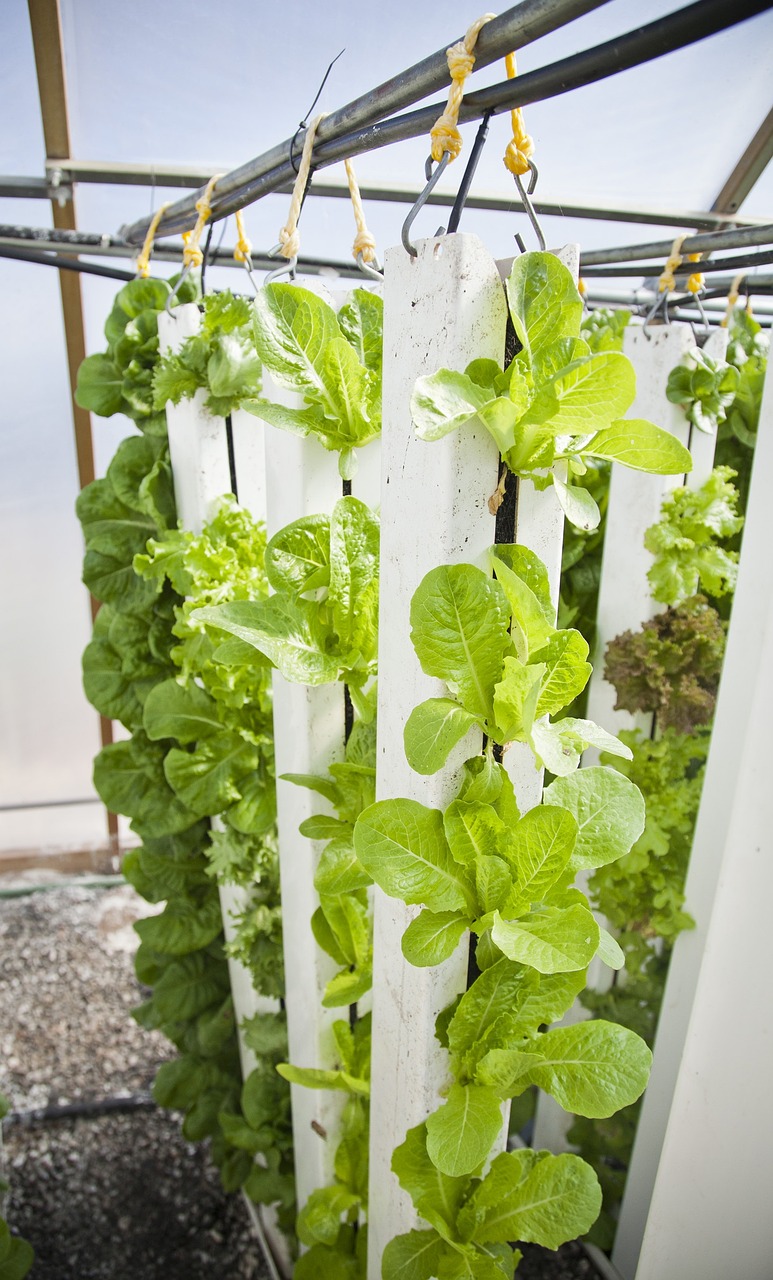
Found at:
[16, 1255]
[704, 387]
[200, 742]
[643, 891]
[321, 622]
[121, 379]
[686, 541]
[341, 923]
[333, 361]
[603, 328]
[557, 400]
[737, 436]
[505, 664]
[221, 358]
[483, 867]
[671, 666]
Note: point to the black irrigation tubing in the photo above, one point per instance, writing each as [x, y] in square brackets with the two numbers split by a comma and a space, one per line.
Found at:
[91, 1109]
[72, 882]
[513, 29]
[64, 263]
[744, 260]
[666, 35]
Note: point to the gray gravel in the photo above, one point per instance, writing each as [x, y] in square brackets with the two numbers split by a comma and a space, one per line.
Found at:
[120, 1196]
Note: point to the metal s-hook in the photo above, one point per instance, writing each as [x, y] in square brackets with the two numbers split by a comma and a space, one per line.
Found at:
[432, 180]
[524, 193]
[186, 271]
[286, 268]
[373, 271]
[660, 301]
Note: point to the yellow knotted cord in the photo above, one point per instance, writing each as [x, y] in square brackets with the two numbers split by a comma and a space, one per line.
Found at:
[445, 134]
[192, 255]
[667, 282]
[364, 242]
[143, 259]
[695, 281]
[243, 250]
[289, 236]
[521, 148]
[582, 287]
[732, 298]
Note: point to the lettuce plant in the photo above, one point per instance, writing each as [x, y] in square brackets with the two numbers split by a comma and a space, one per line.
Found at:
[484, 867]
[671, 666]
[557, 400]
[704, 387]
[121, 379]
[221, 358]
[687, 541]
[332, 360]
[320, 624]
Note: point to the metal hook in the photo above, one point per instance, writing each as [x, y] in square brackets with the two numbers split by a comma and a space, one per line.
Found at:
[432, 179]
[704, 317]
[524, 193]
[285, 268]
[178, 286]
[660, 301]
[374, 271]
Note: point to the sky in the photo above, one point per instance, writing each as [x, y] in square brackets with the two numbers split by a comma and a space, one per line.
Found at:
[192, 82]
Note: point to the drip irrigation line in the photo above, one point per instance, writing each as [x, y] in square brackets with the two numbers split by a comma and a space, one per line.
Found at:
[749, 260]
[735, 238]
[64, 263]
[270, 171]
[86, 1109]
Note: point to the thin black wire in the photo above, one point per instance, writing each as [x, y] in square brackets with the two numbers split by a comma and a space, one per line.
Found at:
[469, 174]
[304, 124]
[64, 263]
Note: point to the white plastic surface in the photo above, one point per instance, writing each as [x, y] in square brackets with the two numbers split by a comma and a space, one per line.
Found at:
[704, 1135]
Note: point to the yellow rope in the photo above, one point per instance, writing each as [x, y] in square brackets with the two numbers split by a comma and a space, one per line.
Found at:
[582, 287]
[732, 298]
[143, 260]
[521, 148]
[289, 236]
[673, 263]
[445, 134]
[192, 255]
[695, 281]
[243, 250]
[364, 242]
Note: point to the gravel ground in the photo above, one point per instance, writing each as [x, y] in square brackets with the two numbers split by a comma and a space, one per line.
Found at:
[121, 1196]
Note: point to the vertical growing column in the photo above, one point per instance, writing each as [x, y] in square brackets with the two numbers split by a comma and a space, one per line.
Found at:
[704, 1137]
[443, 308]
[201, 466]
[302, 479]
[635, 497]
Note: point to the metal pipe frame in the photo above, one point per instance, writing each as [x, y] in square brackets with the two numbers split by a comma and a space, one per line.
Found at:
[742, 261]
[164, 176]
[736, 238]
[268, 172]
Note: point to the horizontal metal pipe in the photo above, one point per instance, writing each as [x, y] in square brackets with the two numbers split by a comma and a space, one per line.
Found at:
[735, 238]
[697, 21]
[511, 30]
[153, 175]
[64, 263]
[59, 255]
[743, 260]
